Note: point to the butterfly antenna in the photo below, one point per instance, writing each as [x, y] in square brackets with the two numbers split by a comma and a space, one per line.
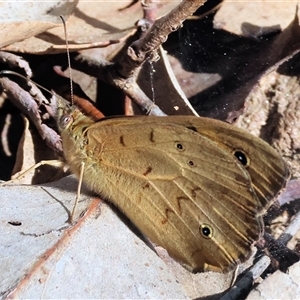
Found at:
[69, 60]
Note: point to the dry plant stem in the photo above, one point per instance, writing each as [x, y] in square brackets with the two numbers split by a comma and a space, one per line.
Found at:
[140, 98]
[4, 135]
[106, 72]
[122, 74]
[29, 107]
[80, 47]
[290, 231]
[15, 61]
[36, 94]
[138, 52]
[149, 9]
[39, 97]
[34, 91]
[246, 282]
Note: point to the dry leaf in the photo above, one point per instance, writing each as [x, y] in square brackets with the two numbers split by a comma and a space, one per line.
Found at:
[22, 19]
[32, 150]
[254, 18]
[42, 256]
[91, 24]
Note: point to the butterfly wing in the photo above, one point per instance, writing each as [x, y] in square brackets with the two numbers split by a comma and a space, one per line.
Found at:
[268, 171]
[180, 188]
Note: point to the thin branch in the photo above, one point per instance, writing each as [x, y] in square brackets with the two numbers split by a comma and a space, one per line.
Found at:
[24, 101]
[123, 74]
[149, 9]
[15, 61]
[246, 282]
[291, 230]
[157, 34]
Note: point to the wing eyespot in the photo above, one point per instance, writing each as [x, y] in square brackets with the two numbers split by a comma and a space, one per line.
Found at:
[191, 163]
[179, 146]
[206, 231]
[242, 157]
[65, 120]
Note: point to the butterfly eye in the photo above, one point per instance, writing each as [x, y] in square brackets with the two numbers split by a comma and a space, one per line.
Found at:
[242, 157]
[206, 231]
[179, 146]
[65, 120]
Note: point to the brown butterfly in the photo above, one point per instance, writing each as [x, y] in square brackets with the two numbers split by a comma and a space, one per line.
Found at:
[196, 186]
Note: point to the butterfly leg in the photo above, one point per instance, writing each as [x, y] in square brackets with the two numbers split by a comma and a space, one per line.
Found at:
[71, 219]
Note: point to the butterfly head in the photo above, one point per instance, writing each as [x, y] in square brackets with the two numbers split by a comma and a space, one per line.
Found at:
[69, 118]
[64, 114]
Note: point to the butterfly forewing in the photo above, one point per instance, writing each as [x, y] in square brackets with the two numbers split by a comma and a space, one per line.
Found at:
[180, 188]
[268, 171]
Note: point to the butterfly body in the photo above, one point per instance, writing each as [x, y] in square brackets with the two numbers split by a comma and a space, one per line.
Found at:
[178, 180]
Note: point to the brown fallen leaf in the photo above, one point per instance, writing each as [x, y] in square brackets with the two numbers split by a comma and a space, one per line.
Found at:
[22, 20]
[89, 24]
